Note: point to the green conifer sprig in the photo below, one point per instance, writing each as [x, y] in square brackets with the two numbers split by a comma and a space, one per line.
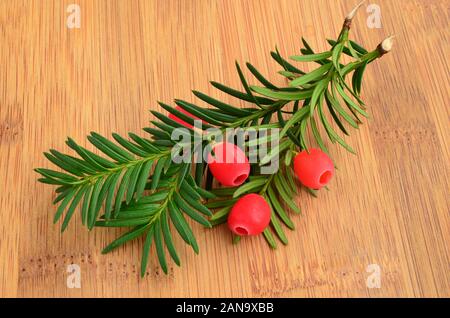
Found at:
[136, 185]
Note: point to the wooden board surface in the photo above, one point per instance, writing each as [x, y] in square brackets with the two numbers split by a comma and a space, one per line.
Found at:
[388, 206]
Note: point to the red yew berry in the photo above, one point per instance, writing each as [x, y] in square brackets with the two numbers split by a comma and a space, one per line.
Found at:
[229, 165]
[180, 121]
[314, 169]
[250, 215]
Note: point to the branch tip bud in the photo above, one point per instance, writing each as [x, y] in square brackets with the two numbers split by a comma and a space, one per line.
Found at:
[352, 13]
[386, 45]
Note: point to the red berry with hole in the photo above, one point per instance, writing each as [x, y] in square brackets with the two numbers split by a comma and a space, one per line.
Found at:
[250, 215]
[314, 169]
[229, 164]
[180, 121]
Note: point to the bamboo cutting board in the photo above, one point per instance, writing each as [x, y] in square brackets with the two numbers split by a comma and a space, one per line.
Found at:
[387, 206]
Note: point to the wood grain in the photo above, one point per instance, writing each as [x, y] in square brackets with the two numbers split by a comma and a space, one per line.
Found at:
[389, 205]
